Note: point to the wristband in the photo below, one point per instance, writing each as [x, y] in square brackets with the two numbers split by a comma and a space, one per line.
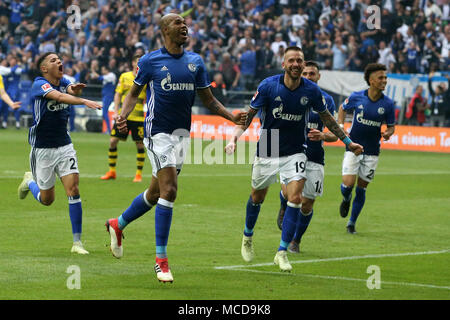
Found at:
[347, 141]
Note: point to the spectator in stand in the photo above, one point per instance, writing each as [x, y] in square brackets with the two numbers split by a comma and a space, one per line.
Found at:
[264, 57]
[440, 101]
[415, 112]
[108, 80]
[386, 56]
[278, 43]
[412, 54]
[339, 54]
[219, 89]
[230, 71]
[430, 57]
[248, 67]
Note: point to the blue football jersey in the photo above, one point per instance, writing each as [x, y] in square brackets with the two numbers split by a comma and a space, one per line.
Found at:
[368, 117]
[172, 82]
[50, 117]
[314, 150]
[284, 115]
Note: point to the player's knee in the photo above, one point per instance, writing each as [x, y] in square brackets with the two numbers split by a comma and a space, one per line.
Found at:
[152, 198]
[258, 197]
[296, 198]
[47, 201]
[307, 206]
[169, 193]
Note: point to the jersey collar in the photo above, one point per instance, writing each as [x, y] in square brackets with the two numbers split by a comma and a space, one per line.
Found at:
[302, 82]
[366, 93]
[176, 56]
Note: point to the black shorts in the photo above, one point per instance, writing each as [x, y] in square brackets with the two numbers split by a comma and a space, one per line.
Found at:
[136, 128]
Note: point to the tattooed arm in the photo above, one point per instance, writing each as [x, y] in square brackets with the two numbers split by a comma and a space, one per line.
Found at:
[239, 130]
[214, 105]
[334, 127]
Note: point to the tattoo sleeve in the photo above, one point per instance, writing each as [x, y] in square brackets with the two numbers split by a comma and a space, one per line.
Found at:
[332, 125]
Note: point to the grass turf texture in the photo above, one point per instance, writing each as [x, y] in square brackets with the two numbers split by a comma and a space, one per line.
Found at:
[406, 210]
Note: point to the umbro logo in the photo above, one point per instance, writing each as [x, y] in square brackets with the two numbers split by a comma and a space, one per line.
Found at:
[164, 68]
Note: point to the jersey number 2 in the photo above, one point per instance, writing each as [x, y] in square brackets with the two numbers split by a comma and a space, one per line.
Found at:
[73, 162]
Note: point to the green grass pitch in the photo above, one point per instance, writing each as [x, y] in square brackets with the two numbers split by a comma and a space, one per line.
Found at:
[404, 230]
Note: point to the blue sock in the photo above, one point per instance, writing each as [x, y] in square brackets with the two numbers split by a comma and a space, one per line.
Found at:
[76, 214]
[289, 225]
[251, 216]
[163, 220]
[346, 192]
[302, 225]
[358, 204]
[35, 190]
[283, 201]
[138, 207]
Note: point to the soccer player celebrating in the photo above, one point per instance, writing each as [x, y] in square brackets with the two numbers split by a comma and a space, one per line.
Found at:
[173, 77]
[371, 109]
[52, 151]
[285, 101]
[314, 166]
[135, 123]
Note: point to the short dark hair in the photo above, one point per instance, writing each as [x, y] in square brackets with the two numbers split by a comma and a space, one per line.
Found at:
[371, 68]
[311, 63]
[42, 58]
[293, 48]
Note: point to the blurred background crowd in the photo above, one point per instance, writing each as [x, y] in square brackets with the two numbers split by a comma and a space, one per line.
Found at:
[241, 41]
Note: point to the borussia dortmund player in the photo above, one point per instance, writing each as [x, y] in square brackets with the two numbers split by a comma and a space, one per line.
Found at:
[371, 108]
[135, 123]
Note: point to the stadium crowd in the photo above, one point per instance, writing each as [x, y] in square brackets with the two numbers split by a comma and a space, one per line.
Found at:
[241, 40]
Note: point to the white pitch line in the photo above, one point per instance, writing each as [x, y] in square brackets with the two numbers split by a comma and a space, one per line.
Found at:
[205, 175]
[369, 256]
[412, 284]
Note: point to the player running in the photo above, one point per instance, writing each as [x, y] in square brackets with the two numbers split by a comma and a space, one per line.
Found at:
[371, 109]
[52, 151]
[135, 123]
[314, 166]
[173, 76]
[285, 101]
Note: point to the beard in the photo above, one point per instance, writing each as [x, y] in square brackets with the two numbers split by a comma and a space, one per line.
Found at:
[293, 74]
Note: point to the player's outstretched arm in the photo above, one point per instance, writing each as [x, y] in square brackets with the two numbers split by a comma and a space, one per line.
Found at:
[69, 99]
[128, 105]
[238, 131]
[76, 89]
[210, 102]
[317, 135]
[5, 97]
[334, 127]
